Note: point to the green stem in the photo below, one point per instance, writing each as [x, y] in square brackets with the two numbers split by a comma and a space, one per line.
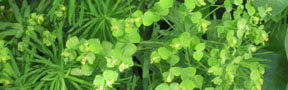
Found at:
[214, 42]
[187, 57]
[168, 23]
[150, 42]
[218, 7]
[269, 52]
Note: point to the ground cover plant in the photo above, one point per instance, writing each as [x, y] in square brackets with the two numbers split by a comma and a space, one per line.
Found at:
[143, 44]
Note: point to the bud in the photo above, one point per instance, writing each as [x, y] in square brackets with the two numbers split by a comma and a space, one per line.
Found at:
[114, 27]
[127, 25]
[204, 27]
[2, 8]
[4, 59]
[261, 81]
[258, 87]
[269, 9]
[62, 7]
[83, 61]
[122, 67]
[6, 82]
[136, 20]
[87, 49]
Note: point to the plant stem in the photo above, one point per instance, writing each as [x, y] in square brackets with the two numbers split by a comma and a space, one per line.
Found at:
[168, 23]
[187, 57]
[218, 7]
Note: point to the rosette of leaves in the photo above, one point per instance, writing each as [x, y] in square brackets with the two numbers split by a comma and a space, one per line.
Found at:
[98, 22]
[114, 59]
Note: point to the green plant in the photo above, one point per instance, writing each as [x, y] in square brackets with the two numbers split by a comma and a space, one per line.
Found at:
[134, 44]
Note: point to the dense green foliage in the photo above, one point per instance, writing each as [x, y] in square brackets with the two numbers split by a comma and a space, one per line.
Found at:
[143, 44]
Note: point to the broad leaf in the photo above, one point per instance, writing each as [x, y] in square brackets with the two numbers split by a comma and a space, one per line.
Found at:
[176, 71]
[190, 4]
[72, 42]
[86, 70]
[164, 52]
[166, 3]
[162, 86]
[174, 60]
[154, 57]
[187, 84]
[200, 47]
[148, 18]
[185, 39]
[76, 71]
[110, 75]
[198, 55]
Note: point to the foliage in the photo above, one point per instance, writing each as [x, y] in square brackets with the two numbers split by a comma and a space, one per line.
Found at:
[134, 44]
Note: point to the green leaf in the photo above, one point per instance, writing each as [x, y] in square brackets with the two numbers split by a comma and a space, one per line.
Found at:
[176, 43]
[164, 52]
[154, 57]
[200, 47]
[209, 88]
[261, 11]
[76, 71]
[217, 80]
[277, 5]
[167, 76]
[86, 70]
[174, 86]
[90, 58]
[241, 23]
[194, 41]
[214, 52]
[237, 59]
[176, 71]
[232, 41]
[213, 61]
[187, 84]
[251, 10]
[110, 75]
[148, 18]
[134, 37]
[72, 42]
[198, 55]
[216, 70]
[190, 4]
[95, 46]
[255, 75]
[160, 10]
[130, 49]
[220, 31]
[174, 59]
[166, 3]
[286, 43]
[185, 39]
[238, 2]
[162, 86]
[198, 81]
[137, 15]
[196, 17]
[107, 46]
[201, 3]
[228, 5]
[223, 53]
[98, 80]
[188, 73]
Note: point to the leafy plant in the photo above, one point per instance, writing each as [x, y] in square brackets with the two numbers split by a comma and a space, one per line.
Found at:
[132, 44]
